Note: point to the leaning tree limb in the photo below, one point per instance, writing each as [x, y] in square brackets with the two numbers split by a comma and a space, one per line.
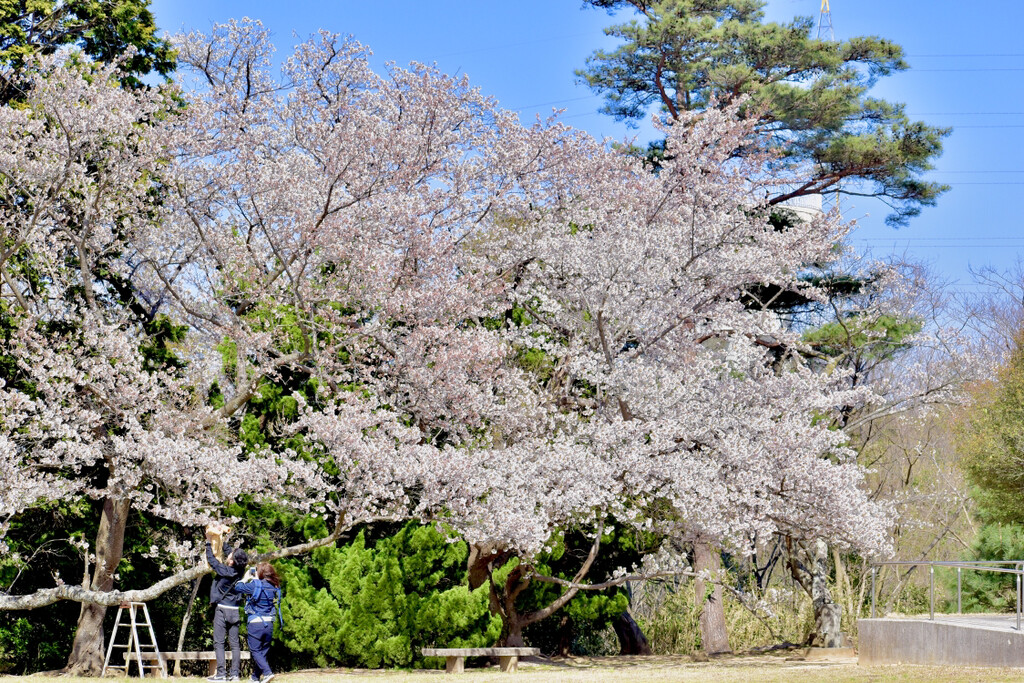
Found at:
[78, 593]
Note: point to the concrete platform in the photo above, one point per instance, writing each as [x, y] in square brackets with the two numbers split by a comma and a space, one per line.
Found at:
[965, 640]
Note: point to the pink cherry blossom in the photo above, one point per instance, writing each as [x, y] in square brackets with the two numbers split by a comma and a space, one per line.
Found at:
[376, 232]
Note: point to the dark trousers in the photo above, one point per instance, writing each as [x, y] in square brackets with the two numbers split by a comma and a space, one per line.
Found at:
[225, 624]
[258, 634]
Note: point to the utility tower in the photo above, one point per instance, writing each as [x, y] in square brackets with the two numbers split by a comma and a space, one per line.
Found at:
[825, 31]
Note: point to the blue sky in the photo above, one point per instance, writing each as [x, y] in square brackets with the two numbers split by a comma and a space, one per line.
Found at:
[967, 71]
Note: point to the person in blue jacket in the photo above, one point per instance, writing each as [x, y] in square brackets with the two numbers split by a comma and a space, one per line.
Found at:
[262, 590]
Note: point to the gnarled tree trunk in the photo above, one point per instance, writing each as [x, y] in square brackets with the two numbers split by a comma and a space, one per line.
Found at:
[632, 640]
[511, 632]
[809, 567]
[482, 562]
[87, 652]
[714, 636]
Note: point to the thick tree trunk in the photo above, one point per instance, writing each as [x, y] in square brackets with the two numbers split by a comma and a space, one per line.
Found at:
[713, 634]
[564, 637]
[809, 566]
[632, 640]
[87, 651]
[503, 603]
[511, 632]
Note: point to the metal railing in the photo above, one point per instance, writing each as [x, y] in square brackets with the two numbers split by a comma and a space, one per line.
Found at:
[971, 565]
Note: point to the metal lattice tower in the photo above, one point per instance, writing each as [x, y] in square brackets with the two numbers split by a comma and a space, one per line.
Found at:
[825, 31]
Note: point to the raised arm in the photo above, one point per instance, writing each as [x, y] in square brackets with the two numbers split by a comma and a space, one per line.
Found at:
[219, 567]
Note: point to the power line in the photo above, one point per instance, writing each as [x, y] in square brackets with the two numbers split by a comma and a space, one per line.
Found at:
[970, 55]
[543, 104]
[917, 71]
[935, 239]
[490, 48]
[897, 245]
[911, 113]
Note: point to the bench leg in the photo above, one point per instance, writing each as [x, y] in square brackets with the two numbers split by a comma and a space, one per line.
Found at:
[211, 667]
[454, 665]
[509, 664]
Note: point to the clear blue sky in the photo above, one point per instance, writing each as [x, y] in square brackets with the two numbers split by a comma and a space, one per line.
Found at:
[967, 71]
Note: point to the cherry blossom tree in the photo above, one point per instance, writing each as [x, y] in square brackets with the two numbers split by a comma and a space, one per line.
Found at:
[84, 415]
[393, 216]
[403, 242]
[634, 293]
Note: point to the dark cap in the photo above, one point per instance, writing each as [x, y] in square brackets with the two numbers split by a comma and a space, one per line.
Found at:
[239, 556]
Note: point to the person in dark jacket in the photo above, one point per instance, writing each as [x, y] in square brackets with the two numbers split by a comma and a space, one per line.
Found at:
[226, 603]
[262, 606]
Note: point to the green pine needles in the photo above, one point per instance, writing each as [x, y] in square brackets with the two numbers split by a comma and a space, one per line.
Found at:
[376, 604]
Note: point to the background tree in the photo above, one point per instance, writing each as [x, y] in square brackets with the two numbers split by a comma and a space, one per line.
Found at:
[811, 96]
[991, 442]
[989, 592]
[987, 437]
[102, 29]
[893, 334]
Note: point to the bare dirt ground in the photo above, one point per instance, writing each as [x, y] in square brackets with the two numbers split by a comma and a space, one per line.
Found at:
[769, 668]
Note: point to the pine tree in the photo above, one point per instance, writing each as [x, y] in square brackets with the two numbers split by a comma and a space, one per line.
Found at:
[810, 95]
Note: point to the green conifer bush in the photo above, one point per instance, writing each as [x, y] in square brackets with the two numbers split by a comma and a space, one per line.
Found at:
[376, 604]
[984, 591]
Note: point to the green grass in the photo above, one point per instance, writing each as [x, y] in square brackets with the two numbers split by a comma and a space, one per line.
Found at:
[760, 668]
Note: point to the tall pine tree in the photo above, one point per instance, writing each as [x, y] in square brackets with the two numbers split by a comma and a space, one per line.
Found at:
[810, 95]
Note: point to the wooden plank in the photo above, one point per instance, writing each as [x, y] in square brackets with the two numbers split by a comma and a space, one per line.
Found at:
[480, 651]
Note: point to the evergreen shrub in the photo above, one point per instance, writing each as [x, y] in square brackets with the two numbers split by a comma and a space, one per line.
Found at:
[983, 591]
[375, 605]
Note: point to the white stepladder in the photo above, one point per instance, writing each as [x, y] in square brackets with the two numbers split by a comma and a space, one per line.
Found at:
[144, 654]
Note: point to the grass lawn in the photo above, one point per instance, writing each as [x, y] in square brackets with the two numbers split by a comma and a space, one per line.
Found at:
[762, 668]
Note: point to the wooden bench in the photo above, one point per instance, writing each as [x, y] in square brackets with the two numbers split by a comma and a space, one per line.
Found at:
[455, 657]
[208, 655]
